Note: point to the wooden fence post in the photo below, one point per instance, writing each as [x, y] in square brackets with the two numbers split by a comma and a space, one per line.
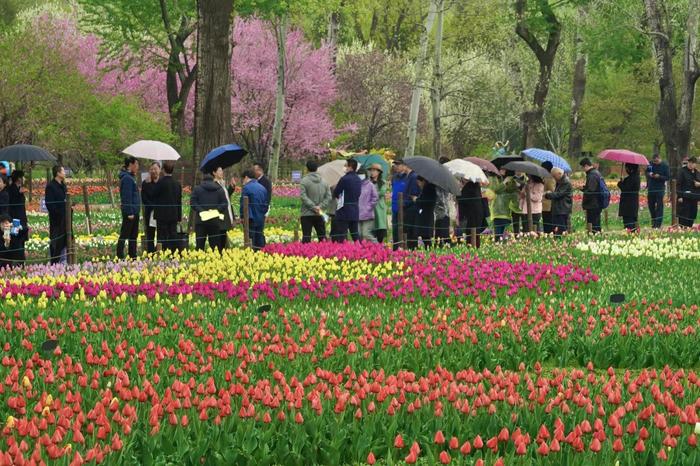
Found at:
[401, 238]
[473, 237]
[246, 222]
[528, 199]
[70, 247]
[87, 209]
[674, 203]
[606, 219]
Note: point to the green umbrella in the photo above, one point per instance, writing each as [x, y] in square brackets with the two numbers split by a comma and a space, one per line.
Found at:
[369, 159]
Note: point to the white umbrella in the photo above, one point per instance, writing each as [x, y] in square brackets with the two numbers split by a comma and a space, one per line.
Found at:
[466, 170]
[152, 150]
[331, 172]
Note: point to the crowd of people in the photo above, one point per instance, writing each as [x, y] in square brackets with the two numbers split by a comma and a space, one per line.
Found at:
[355, 206]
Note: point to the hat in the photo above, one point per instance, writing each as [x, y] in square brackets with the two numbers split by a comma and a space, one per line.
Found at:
[375, 166]
[398, 162]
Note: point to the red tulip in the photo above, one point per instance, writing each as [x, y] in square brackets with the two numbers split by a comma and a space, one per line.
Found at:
[543, 449]
[639, 446]
[466, 448]
[371, 459]
[398, 441]
[454, 443]
[439, 437]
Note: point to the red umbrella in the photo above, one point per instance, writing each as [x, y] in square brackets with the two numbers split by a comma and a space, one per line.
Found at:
[483, 164]
[624, 156]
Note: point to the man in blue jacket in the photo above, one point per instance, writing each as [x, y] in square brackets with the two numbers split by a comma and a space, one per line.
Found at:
[131, 203]
[398, 185]
[257, 208]
[347, 216]
[657, 175]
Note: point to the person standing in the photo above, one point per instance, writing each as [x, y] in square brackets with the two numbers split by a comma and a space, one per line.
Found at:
[148, 197]
[425, 215]
[347, 193]
[9, 243]
[376, 176]
[398, 185]
[168, 208]
[657, 175]
[267, 184]
[688, 193]
[506, 191]
[130, 204]
[4, 196]
[562, 201]
[257, 195]
[442, 212]
[411, 193]
[368, 200]
[629, 197]
[55, 198]
[536, 186]
[549, 185]
[591, 195]
[229, 216]
[208, 225]
[471, 210]
[315, 197]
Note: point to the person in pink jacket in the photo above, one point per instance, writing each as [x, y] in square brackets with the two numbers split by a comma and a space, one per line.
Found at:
[536, 185]
[368, 199]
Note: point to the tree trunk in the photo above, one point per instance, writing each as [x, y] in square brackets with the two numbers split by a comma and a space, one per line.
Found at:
[691, 73]
[532, 117]
[281, 39]
[213, 94]
[436, 88]
[332, 39]
[667, 114]
[418, 83]
[578, 93]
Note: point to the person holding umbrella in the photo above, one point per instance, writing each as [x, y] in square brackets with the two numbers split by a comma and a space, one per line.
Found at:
[629, 197]
[549, 186]
[442, 212]
[18, 212]
[347, 193]
[471, 210]
[208, 202]
[376, 176]
[591, 195]
[536, 186]
[130, 204]
[257, 208]
[229, 217]
[55, 198]
[399, 179]
[425, 211]
[562, 201]
[149, 201]
[315, 196]
[506, 191]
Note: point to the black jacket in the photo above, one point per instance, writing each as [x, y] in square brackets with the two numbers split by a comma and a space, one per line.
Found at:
[591, 192]
[167, 196]
[629, 195]
[471, 206]
[425, 219]
[207, 196]
[148, 198]
[55, 198]
[686, 185]
[267, 184]
[562, 197]
[4, 201]
[18, 207]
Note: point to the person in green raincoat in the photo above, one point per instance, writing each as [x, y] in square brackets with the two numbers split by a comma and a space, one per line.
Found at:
[376, 175]
[506, 190]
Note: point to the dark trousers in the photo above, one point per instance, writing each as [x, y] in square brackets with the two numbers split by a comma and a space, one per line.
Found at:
[208, 231]
[547, 220]
[340, 228]
[57, 241]
[410, 227]
[263, 240]
[656, 208]
[380, 235]
[442, 230]
[630, 222]
[312, 222]
[150, 239]
[128, 232]
[394, 232]
[525, 226]
[257, 238]
[499, 226]
[560, 224]
[517, 219]
[593, 217]
[687, 212]
[167, 235]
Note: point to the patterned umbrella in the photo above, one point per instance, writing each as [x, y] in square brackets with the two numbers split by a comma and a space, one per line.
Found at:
[542, 155]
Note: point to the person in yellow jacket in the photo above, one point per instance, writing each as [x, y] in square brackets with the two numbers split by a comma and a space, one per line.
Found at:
[506, 190]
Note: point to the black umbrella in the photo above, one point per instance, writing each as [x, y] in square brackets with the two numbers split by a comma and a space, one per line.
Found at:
[26, 153]
[434, 172]
[504, 159]
[527, 167]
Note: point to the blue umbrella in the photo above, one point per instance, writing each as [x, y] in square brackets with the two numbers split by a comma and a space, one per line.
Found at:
[542, 155]
[223, 157]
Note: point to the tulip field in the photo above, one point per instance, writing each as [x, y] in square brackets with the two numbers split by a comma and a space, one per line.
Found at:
[354, 354]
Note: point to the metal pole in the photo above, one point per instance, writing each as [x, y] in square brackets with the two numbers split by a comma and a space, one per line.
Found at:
[402, 243]
[246, 222]
[87, 209]
[529, 207]
[674, 203]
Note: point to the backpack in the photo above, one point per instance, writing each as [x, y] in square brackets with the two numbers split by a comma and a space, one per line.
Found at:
[604, 193]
